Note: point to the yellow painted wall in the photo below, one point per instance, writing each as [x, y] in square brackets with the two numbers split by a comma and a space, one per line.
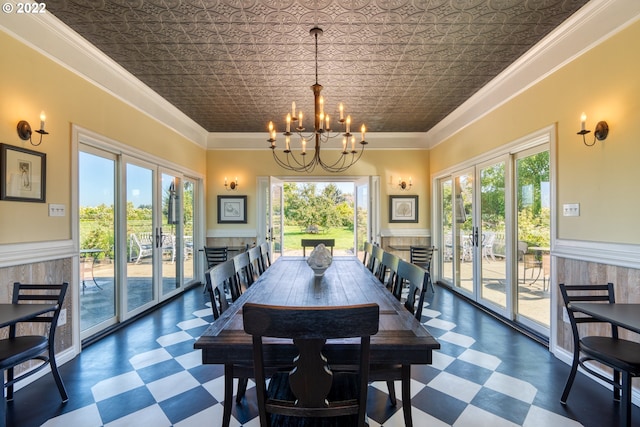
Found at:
[247, 165]
[30, 83]
[605, 84]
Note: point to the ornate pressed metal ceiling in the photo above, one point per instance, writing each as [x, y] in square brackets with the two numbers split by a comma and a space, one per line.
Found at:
[402, 65]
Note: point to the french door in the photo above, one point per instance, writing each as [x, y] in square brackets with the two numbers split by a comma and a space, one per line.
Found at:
[137, 223]
[275, 218]
[487, 212]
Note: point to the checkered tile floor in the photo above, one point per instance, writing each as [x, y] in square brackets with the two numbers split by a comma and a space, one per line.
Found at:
[148, 374]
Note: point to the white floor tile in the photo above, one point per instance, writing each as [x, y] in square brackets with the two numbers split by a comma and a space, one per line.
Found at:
[172, 385]
[204, 312]
[175, 338]
[191, 359]
[88, 416]
[457, 387]
[513, 387]
[473, 416]
[441, 361]
[430, 313]
[116, 385]
[192, 323]
[440, 324]
[149, 416]
[458, 339]
[149, 358]
[478, 358]
[541, 417]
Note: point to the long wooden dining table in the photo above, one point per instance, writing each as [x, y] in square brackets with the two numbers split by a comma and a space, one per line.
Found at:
[290, 281]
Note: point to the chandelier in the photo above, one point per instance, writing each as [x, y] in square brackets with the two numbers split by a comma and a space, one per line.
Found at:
[320, 134]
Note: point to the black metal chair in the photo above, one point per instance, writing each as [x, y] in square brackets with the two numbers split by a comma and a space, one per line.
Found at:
[622, 356]
[311, 393]
[418, 279]
[216, 255]
[422, 256]
[18, 349]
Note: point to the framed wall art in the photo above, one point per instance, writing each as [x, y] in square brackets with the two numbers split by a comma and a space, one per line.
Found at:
[23, 174]
[232, 209]
[403, 208]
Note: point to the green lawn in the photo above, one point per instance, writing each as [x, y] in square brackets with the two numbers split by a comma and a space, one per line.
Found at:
[293, 235]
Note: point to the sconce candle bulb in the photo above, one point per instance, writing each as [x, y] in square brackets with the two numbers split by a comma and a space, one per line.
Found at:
[404, 186]
[24, 130]
[233, 185]
[600, 134]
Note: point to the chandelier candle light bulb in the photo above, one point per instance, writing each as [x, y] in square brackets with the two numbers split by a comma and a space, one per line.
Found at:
[341, 108]
[583, 121]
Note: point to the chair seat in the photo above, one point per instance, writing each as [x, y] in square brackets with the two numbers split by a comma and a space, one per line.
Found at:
[15, 350]
[345, 387]
[616, 352]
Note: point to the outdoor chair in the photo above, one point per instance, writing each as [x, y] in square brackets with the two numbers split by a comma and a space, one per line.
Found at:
[311, 394]
[215, 255]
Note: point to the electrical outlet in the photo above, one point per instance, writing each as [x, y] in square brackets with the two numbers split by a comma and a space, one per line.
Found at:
[571, 209]
[62, 320]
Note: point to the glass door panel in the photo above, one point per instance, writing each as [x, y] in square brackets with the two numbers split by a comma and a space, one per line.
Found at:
[171, 232]
[446, 216]
[96, 201]
[533, 238]
[463, 230]
[276, 217]
[141, 232]
[188, 210]
[361, 213]
[492, 259]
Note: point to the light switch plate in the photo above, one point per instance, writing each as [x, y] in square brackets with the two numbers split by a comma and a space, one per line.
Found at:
[56, 210]
[571, 209]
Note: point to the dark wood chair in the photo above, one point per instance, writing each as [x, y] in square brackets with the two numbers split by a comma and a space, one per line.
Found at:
[266, 255]
[388, 270]
[418, 279]
[215, 255]
[219, 279]
[312, 243]
[255, 262]
[376, 259]
[622, 356]
[367, 249]
[310, 393]
[18, 349]
[422, 256]
[244, 274]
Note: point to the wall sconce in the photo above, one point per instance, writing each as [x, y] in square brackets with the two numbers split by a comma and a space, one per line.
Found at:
[600, 134]
[24, 130]
[403, 184]
[233, 185]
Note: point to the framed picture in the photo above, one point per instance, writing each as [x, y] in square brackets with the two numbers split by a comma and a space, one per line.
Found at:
[232, 209]
[23, 174]
[403, 208]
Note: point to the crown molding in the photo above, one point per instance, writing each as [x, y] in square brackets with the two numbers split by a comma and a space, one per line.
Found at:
[595, 22]
[52, 38]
